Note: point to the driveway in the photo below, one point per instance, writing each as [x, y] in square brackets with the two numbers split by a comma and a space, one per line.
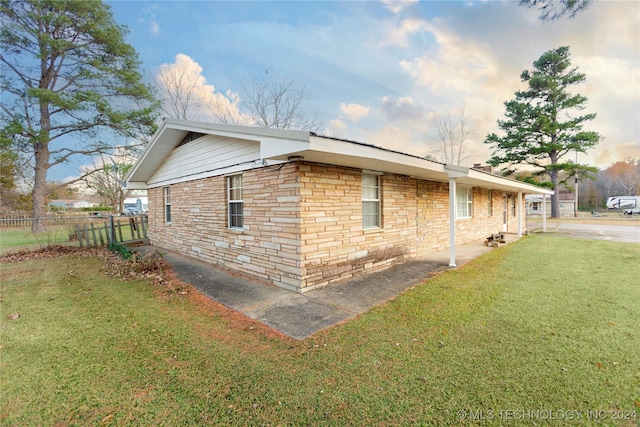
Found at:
[591, 230]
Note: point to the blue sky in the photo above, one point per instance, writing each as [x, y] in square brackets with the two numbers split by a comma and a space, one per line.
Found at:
[381, 71]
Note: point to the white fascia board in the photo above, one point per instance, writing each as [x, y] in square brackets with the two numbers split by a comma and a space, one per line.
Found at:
[271, 147]
[375, 154]
[500, 183]
[141, 159]
[135, 185]
[456, 171]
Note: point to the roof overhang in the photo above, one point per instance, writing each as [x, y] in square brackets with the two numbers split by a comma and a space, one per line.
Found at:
[277, 145]
[171, 132]
[364, 156]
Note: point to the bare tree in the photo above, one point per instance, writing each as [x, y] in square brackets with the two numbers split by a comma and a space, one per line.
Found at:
[107, 179]
[452, 138]
[278, 102]
[225, 108]
[178, 88]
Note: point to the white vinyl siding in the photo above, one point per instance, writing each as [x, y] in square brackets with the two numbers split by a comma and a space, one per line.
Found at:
[204, 157]
[464, 202]
[236, 204]
[370, 201]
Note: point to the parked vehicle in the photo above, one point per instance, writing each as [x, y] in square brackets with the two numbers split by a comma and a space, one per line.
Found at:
[131, 212]
[628, 205]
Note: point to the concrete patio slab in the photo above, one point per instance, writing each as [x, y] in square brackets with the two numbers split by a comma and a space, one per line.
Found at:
[301, 315]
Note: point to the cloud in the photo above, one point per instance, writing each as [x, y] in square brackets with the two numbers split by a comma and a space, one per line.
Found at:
[335, 128]
[396, 6]
[402, 109]
[186, 94]
[399, 35]
[151, 19]
[454, 64]
[354, 111]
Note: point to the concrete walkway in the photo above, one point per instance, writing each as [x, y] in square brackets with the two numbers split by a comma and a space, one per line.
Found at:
[300, 315]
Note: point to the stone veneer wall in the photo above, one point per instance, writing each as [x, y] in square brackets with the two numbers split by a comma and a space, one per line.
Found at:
[334, 244]
[303, 223]
[267, 248]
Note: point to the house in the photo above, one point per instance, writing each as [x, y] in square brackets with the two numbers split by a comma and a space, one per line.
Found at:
[302, 211]
[566, 203]
[137, 202]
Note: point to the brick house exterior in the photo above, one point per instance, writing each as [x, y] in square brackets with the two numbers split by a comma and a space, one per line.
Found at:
[300, 211]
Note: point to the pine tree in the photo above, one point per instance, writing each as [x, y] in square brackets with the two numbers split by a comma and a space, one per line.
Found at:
[543, 124]
[70, 84]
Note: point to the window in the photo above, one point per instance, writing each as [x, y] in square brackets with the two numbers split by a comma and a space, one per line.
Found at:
[464, 202]
[489, 203]
[236, 205]
[535, 206]
[370, 200]
[167, 205]
[513, 207]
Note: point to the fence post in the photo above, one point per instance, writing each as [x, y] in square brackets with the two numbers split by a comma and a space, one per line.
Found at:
[112, 233]
[79, 234]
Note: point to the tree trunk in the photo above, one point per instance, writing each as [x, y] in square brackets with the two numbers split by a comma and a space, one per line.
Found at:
[39, 192]
[41, 154]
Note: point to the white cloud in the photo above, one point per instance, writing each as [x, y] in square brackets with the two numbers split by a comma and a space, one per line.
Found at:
[396, 6]
[402, 109]
[183, 79]
[335, 128]
[399, 35]
[151, 20]
[354, 111]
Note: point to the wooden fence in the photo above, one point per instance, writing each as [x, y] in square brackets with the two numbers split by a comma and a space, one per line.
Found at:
[112, 230]
[18, 221]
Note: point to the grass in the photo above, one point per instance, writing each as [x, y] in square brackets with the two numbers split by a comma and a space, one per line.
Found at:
[541, 324]
[22, 238]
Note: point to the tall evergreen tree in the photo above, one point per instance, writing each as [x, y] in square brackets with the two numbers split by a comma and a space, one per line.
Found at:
[70, 83]
[543, 124]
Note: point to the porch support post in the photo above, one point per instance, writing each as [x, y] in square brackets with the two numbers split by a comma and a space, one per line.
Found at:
[519, 213]
[544, 213]
[452, 222]
[453, 171]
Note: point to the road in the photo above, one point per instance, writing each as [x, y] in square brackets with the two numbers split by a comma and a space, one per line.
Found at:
[618, 233]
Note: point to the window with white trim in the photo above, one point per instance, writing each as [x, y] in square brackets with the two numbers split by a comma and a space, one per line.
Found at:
[370, 200]
[489, 203]
[167, 204]
[236, 204]
[464, 202]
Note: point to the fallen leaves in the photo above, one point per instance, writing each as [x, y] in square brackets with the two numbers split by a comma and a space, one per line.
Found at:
[13, 316]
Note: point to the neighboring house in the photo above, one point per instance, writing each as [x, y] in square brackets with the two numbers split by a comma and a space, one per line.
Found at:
[566, 203]
[71, 204]
[302, 210]
[138, 202]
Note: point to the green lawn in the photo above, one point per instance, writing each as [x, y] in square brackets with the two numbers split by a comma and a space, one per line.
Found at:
[548, 326]
[22, 238]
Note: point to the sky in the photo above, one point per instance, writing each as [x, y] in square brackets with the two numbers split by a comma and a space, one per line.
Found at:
[381, 72]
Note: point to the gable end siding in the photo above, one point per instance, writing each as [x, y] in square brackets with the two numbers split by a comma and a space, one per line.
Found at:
[205, 155]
